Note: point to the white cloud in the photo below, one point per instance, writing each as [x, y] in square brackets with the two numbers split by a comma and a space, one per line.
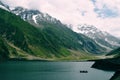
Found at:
[16, 2]
[77, 11]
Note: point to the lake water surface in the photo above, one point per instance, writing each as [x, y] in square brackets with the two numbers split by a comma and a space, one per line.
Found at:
[35, 70]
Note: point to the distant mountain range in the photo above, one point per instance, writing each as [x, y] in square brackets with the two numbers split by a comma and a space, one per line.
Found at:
[102, 38]
[33, 33]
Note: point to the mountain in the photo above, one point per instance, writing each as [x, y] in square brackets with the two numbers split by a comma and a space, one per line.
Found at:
[102, 38]
[4, 52]
[38, 18]
[46, 38]
[34, 16]
[115, 52]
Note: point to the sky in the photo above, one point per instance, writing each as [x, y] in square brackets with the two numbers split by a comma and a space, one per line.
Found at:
[104, 14]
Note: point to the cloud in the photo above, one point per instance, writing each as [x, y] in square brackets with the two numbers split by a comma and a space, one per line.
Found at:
[14, 3]
[104, 14]
[106, 8]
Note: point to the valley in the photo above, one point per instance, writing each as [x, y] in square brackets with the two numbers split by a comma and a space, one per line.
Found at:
[31, 36]
[47, 38]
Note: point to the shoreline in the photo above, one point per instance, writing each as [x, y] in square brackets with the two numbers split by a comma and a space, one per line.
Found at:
[47, 60]
[116, 76]
[98, 61]
[109, 65]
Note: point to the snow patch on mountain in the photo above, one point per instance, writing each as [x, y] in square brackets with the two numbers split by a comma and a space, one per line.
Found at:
[112, 42]
[17, 10]
[4, 8]
[108, 48]
[102, 38]
[80, 42]
[34, 18]
[34, 15]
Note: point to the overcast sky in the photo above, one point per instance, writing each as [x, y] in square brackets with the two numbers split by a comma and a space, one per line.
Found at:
[104, 14]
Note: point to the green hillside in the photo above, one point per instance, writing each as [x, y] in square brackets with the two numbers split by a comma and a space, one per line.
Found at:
[4, 52]
[49, 41]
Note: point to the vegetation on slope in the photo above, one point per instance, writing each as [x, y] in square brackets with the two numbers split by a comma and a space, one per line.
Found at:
[52, 40]
[3, 50]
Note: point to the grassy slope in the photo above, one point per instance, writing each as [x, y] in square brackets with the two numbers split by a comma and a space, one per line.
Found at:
[22, 34]
[48, 42]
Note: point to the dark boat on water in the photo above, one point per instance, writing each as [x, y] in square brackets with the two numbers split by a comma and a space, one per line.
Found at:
[83, 71]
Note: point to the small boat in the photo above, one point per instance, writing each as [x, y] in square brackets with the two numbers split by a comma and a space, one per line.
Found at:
[83, 71]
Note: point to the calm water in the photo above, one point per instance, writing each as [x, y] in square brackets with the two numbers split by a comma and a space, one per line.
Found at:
[23, 70]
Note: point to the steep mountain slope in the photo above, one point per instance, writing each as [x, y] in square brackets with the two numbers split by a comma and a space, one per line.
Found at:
[102, 38]
[4, 52]
[34, 16]
[50, 38]
[22, 34]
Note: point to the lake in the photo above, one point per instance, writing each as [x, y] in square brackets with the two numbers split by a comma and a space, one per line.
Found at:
[35, 70]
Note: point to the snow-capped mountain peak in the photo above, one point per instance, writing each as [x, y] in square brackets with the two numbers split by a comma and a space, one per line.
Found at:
[18, 10]
[87, 29]
[101, 37]
[34, 16]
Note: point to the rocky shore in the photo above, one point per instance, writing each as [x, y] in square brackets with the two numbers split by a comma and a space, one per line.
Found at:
[109, 65]
[116, 76]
